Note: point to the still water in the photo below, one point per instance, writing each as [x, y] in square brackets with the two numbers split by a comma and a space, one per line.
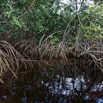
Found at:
[58, 89]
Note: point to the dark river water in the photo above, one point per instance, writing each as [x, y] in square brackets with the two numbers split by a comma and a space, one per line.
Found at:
[54, 88]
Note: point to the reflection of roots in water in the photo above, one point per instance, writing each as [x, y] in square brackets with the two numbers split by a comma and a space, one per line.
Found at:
[87, 58]
[45, 61]
[54, 85]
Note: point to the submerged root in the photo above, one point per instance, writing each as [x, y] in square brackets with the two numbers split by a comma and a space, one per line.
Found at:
[29, 55]
[10, 60]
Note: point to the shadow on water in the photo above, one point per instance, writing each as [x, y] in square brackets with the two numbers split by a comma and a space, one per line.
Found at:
[53, 86]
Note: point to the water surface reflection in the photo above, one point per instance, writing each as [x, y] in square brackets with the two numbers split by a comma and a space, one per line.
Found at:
[32, 88]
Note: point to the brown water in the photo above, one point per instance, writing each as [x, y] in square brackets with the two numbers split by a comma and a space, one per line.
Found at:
[36, 87]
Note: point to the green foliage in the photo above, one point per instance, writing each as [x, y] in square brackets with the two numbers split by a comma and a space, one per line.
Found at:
[93, 27]
[27, 18]
[33, 19]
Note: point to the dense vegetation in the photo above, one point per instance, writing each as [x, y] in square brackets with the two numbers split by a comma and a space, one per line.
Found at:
[48, 38]
[33, 19]
[54, 25]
